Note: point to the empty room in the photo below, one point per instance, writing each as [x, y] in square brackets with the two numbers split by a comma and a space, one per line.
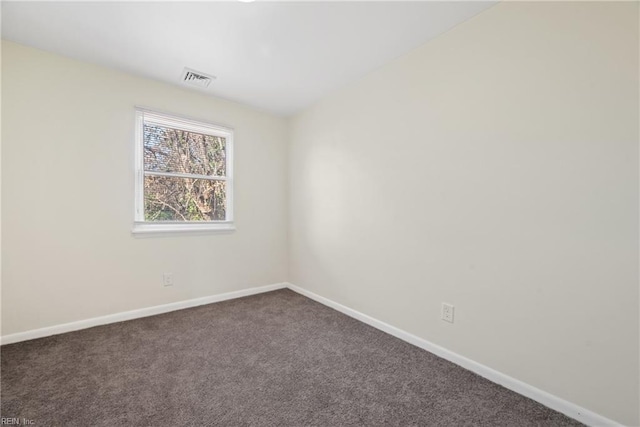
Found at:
[255, 213]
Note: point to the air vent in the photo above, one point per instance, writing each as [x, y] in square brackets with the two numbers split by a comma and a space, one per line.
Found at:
[196, 78]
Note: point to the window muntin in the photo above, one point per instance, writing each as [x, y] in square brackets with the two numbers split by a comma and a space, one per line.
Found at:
[184, 174]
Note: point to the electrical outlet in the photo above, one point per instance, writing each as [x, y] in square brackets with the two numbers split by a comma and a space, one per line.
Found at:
[167, 279]
[447, 312]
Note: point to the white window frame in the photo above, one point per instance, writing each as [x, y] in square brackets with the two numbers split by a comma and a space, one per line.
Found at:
[140, 226]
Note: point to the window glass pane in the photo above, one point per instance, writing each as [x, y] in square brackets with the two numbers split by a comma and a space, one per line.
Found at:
[169, 198]
[179, 151]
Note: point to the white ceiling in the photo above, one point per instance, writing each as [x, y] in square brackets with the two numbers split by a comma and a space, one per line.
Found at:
[276, 56]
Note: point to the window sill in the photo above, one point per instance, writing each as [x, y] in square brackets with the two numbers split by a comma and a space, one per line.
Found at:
[141, 228]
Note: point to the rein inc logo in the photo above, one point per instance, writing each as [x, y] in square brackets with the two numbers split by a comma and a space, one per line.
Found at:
[6, 421]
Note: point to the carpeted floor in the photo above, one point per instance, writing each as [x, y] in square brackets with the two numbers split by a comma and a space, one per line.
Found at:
[275, 359]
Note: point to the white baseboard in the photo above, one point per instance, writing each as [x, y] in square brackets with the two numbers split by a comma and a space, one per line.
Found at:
[569, 409]
[134, 314]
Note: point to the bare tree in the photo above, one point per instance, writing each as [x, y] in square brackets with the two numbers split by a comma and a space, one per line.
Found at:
[183, 198]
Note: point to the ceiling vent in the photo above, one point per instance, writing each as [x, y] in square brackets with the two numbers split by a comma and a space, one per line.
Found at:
[196, 78]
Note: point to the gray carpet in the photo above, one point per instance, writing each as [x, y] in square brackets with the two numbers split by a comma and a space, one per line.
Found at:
[275, 359]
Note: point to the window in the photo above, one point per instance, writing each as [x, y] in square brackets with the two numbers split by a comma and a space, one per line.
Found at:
[183, 174]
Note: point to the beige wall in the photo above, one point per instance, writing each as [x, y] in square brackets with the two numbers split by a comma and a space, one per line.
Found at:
[67, 188]
[494, 168]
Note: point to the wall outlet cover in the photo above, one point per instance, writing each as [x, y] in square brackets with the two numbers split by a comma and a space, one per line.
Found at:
[447, 312]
